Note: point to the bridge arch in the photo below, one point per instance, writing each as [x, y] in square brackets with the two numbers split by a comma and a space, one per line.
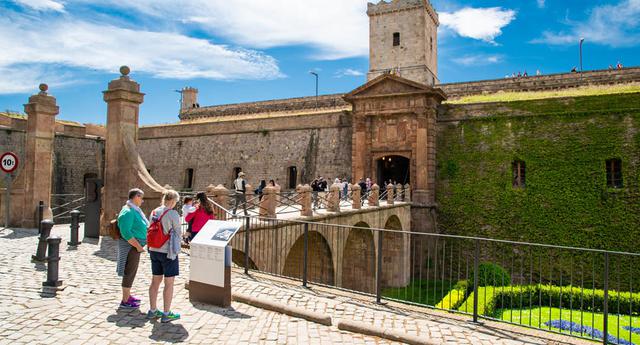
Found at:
[237, 257]
[358, 264]
[395, 255]
[320, 260]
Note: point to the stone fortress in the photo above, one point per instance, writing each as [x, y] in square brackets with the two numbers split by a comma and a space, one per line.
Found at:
[402, 124]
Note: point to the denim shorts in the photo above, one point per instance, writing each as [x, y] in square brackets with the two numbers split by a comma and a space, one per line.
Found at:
[160, 265]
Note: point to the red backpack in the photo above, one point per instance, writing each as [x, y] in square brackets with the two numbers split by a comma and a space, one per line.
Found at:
[155, 235]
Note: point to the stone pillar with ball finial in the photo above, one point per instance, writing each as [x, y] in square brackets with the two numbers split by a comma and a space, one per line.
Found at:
[38, 157]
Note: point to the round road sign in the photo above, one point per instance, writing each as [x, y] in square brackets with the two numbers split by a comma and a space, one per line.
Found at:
[8, 162]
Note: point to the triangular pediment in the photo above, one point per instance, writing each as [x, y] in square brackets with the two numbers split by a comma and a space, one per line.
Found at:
[390, 85]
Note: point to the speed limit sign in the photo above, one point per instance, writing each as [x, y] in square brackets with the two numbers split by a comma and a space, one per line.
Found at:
[8, 162]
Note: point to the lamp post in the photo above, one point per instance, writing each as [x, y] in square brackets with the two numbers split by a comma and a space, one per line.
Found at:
[581, 41]
[316, 75]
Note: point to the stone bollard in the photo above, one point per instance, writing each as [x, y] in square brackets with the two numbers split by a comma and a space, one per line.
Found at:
[356, 198]
[209, 190]
[220, 195]
[374, 195]
[399, 192]
[53, 261]
[268, 202]
[278, 191]
[407, 193]
[390, 194]
[40, 215]
[46, 226]
[75, 225]
[333, 199]
[248, 195]
[304, 197]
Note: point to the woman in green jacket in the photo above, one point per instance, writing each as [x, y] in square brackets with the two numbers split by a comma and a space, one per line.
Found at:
[133, 226]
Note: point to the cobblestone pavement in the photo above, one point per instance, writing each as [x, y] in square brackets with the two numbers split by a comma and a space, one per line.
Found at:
[86, 310]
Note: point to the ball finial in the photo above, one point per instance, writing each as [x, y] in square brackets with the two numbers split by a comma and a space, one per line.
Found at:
[43, 87]
[124, 70]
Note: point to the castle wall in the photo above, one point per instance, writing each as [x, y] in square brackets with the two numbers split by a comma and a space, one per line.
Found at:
[543, 82]
[564, 144]
[263, 148]
[74, 159]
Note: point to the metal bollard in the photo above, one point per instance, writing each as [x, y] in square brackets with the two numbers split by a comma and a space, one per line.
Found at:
[40, 215]
[75, 225]
[53, 262]
[46, 226]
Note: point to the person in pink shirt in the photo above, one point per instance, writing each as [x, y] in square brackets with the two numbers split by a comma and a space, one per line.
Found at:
[203, 213]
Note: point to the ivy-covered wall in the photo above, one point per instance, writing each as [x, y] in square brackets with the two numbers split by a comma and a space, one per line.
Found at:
[564, 143]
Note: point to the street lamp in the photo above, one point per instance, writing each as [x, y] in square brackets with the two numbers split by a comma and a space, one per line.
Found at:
[581, 41]
[316, 75]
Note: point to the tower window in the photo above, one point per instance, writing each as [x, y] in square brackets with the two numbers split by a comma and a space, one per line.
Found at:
[396, 39]
[188, 179]
[518, 174]
[614, 173]
[293, 177]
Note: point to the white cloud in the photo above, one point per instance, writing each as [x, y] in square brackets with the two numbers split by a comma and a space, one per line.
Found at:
[42, 5]
[478, 60]
[540, 3]
[478, 23]
[348, 72]
[23, 78]
[80, 44]
[611, 25]
[335, 28]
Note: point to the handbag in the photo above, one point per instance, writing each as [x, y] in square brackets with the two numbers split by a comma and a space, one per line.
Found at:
[114, 230]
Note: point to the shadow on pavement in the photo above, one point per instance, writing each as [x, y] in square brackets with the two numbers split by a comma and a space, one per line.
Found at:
[107, 248]
[169, 332]
[128, 318]
[18, 233]
[226, 312]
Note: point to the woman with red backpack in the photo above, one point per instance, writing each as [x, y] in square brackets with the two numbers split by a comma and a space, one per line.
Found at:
[203, 214]
[163, 240]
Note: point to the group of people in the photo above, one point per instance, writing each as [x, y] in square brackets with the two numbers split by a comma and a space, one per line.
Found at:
[133, 225]
[240, 188]
[521, 75]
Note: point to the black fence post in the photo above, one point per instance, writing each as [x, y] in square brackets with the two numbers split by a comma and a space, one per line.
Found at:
[40, 215]
[75, 225]
[305, 256]
[53, 261]
[476, 259]
[605, 323]
[41, 251]
[246, 244]
[379, 269]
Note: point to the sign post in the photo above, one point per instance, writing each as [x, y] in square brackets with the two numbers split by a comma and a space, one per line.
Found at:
[210, 264]
[8, 164]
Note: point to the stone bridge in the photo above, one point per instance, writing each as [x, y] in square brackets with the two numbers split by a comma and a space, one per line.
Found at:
[343, 247]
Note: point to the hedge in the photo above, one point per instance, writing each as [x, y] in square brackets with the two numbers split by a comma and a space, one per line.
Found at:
[520, 297]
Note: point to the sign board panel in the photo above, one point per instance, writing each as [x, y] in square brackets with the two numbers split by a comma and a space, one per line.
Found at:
[8, 162]
[209, 252]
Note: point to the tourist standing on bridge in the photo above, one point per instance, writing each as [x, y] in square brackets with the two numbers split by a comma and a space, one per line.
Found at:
[133, 226]
[203, 214]
[164, 259]
[240, 186]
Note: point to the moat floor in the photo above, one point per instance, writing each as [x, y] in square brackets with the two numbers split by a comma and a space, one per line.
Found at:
[86, 310]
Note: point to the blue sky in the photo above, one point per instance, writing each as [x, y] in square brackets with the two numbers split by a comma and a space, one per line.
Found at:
[246, 50]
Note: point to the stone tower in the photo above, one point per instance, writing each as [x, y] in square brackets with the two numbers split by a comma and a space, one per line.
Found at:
[403, 40]
[189, 99]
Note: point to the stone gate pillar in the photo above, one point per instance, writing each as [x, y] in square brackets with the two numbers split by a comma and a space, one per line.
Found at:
[268, 202]
[304, 197]
[374, 195]
[123, 100]
[38, 158]
[390, 197]
[399, 192]
[333, 202]
[220, 195]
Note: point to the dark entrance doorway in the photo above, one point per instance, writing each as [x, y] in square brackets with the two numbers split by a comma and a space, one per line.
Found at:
[395, 168]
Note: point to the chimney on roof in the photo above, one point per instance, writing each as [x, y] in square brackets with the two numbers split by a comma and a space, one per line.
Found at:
[189, 99]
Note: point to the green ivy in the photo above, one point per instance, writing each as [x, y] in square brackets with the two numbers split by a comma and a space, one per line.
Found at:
[566, 200]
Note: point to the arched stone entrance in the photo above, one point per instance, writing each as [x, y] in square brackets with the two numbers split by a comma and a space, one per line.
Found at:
[395, 255]
[319, 264]
[358, 265]
[393, 167]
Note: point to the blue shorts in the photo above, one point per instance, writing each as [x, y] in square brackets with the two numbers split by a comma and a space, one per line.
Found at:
[160, 265]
